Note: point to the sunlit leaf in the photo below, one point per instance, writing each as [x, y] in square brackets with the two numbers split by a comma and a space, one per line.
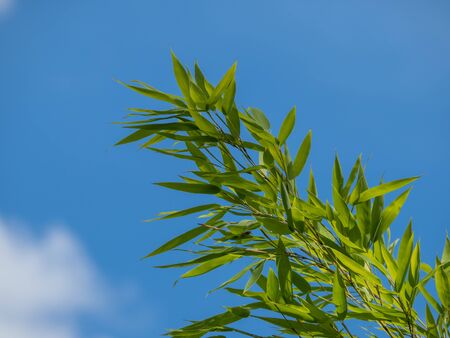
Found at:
[339, 296]
[301, 157]
[209, 265]
[177, 241]
[287, 126]
[385, 188]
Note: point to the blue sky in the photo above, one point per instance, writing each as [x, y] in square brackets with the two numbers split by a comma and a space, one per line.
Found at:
[367, 77]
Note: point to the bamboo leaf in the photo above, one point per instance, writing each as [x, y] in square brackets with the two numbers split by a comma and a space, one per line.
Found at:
[156, 94]
[446, 252]
[182, 78]
[404, 256]
[203, 123]
[351, 177]
[274, 225]
[284, 271]
[431, 324]
[158, 127]
[287, 126]
[177, 241]
[209, 265]
[196, 188]
[256, 273]
[136, 136]
[272, 291]
[339, 296]
[356, 268]
[222, 85]
[301, 157]
[260, 118]
[385, 188]
[180, 213]
[301, 283]
[237, 276]
[442, 282]
[390, 213]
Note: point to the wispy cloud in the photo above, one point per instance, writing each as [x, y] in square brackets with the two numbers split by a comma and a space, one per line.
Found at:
[46, 283]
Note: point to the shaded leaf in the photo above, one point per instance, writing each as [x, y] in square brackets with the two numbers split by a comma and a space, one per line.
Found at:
[196, 188]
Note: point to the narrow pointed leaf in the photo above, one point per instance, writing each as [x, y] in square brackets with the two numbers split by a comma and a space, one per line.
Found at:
[287, 126]
[301, 157]
[385, 188]
[284, 271]
[272, 291]
[179, 240]
[196, 188]
[390, 213]
[339, 296]
[404, 256]
[209, 265]
[256, 273]
[222, 85]
[136, 136]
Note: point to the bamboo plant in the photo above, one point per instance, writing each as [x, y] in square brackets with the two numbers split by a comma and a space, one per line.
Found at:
[309, 267]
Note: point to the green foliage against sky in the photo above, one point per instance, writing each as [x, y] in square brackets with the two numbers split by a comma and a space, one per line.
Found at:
[314, 268]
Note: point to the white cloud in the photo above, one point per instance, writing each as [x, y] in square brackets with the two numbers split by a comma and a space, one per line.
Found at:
[6, 6]
[46, 283]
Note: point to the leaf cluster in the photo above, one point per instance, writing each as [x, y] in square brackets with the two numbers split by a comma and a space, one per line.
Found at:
[310, 265]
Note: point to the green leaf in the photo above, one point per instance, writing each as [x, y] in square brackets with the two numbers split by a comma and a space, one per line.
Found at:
[414, 270]
[312, 189]
[237, 276]
[356, 268]
[351, 177]
[301, 283]
[158, 127]
[301, 157]
[390, 213]
[177, 241]
[385, 188]
[200, 78]
[196, 188]
[136, 136]
[222, 85]
[287, 126]
[404, 256]
[232, 115]
[182, 77]
[274, 225]
[156, 94]
[256, 273]
[446, 252]
[431, 324]
[272, 291]
[339, 297]
[228, 98]
[209, 265]
[193, 138]
[199, 328]
[180, 213]
[442, 282]
[284, 271]
[338, 178]
[203, 123]
[260, 118]
[287, 206]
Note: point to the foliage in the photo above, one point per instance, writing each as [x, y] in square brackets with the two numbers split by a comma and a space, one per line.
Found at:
[311, 265]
